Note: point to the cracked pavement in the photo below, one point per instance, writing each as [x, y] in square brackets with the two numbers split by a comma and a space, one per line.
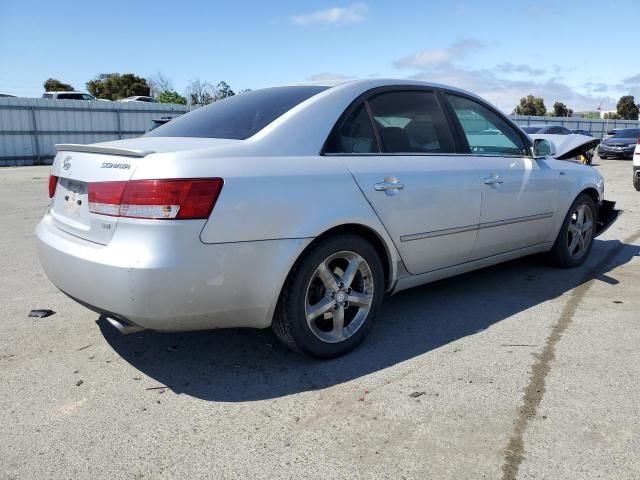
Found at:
[516, 371]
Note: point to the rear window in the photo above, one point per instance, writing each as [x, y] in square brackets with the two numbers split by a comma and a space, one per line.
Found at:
[238, 117]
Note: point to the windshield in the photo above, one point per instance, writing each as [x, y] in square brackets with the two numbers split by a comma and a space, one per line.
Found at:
[238, 117]
[531, 129]
[628, 133]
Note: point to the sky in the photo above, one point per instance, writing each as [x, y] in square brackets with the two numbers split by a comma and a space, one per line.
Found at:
[577, 52]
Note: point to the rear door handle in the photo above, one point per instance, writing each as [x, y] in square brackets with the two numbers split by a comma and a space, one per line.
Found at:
[383, 186]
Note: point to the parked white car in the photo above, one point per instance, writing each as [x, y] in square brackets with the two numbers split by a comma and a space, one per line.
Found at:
[300, 207]
[139, 98]
[68, 96]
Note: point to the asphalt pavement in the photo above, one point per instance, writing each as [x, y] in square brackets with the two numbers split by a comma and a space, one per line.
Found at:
[516, 371]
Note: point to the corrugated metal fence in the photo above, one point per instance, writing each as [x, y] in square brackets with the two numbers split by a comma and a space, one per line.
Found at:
[596, 127]
[30, 127]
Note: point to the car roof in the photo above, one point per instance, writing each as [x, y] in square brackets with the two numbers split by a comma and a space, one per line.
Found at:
[370, 83]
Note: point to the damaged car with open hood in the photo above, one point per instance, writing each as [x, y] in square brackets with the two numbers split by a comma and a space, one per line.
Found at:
[571, 146]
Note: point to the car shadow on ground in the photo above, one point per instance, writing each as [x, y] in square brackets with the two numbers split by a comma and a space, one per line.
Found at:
[243, 364]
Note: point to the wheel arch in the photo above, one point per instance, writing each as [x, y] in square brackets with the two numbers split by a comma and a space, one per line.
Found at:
[370, 235]
[592, 192]
[383, 247]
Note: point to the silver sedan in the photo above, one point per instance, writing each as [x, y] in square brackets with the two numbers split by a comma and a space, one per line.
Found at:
[300, 207]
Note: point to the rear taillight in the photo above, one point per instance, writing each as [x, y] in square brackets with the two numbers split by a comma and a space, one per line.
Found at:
[155, 199]
[53, 183]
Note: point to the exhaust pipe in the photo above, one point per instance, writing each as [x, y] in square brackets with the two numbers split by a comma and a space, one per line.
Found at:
[123, 327]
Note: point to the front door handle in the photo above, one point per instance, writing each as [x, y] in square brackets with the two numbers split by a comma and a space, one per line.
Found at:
[494, 179]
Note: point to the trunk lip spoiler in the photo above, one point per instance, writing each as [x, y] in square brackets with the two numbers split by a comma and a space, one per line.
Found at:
[124, 152]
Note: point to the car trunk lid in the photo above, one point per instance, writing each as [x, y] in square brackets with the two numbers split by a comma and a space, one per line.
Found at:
[76, 166]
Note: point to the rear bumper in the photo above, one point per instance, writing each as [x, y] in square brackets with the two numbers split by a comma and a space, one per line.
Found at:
[607, 215]
[162, 277]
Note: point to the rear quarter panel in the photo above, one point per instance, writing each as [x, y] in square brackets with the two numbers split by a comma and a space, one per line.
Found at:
[270, 198]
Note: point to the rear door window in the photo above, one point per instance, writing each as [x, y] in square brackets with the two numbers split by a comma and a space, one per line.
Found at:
[485, 131]
[411, 122]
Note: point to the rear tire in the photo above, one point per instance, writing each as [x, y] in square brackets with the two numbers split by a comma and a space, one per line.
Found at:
[331, 296]
[636, 182]
[575, 239]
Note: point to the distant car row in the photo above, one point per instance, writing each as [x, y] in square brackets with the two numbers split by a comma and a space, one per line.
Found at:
[86, 96]
[553, 130]
[617, 142]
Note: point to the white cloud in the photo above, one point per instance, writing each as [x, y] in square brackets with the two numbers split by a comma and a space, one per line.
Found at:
[328, 77]
[634, 81]
[439, 56]
[354, 13]
[504, 84]
[506, 93]
[511, 68]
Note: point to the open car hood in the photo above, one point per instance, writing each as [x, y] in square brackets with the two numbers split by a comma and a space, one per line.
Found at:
[569, 147]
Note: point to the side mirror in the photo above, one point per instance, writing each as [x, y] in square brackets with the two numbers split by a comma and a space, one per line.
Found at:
[543, 148]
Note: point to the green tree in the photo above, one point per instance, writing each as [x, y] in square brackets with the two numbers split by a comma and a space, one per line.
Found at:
[114, 86]
[627, 108]
[611, 116]
[171, 96]
[531, 105]
[55, 85]
[223, 90]
[561, 110]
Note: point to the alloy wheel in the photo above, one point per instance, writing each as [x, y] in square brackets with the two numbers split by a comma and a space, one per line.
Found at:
[339, 296]
[580, 231]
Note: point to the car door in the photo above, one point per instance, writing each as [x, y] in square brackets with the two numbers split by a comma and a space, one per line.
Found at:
[519, 193]
[399, 148]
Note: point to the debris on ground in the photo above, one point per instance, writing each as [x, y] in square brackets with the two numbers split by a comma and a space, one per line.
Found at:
[417, 394]
[41, 313]
[79, 382]
[163, 387]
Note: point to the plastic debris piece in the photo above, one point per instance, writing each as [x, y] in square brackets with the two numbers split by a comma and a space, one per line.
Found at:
[41, 313]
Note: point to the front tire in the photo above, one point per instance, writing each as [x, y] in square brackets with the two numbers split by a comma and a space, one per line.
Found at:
[574, 242]
[331, 296]
[636, 181]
